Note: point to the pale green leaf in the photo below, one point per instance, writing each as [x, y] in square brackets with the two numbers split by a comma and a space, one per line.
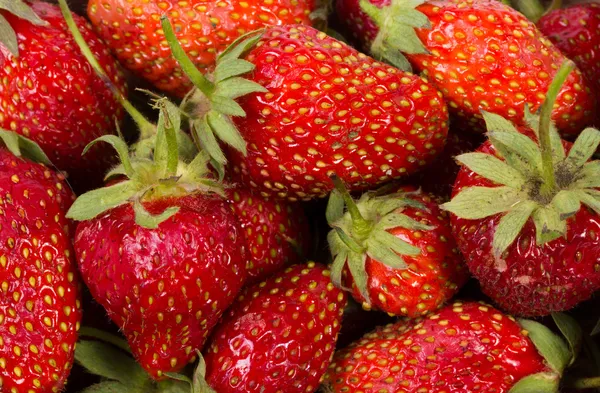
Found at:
[22, 10]
[122, 150]
[553, 348]
[109, 387]
[21, 146]
[339, 262]
[512, 143]
[396, 220]
[96, 202]
[566, 203]
[226, 131]
[147, 220]
[207, 140]
[199, 165]
[199, 383]
[396, 244]
[496, 123]
[335, 207]
[589, 199]
[474, 203]
[379, 251]
[510, 226]
[572, 332]
[234, 67]
[226, 106]
[537, 383]
[548, 224]
[104, 336]
[240, 46]
[356, 264]
[8, 37]
[588, 176]
[558, 151]
[492, 169]
[349, 241]
[584, 148]
[166, 152]
[238, 87]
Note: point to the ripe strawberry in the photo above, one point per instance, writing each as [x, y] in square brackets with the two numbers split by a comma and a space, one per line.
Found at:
[205, 28]
[164, 258]
[279, 336]
[316, 107]
[465, 347]
[276, 232]
[518, 216]
[40, 308]
[51, 95]
[575, 31]
[481, 54]
[394, 252]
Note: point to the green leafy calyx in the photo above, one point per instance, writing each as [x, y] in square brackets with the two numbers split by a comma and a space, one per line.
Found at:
[8, 37]
[23, 147]
[360, 230]
[212, 104]
[536, 177]
[397, 35]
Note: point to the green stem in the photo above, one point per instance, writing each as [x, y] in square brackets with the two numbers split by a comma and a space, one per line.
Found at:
[532, 9]
[361, 226]
[145, 126]
[549, 176]
[197, 78]
[584, 383]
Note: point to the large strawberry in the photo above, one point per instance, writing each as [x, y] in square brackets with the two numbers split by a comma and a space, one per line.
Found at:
[314, 106]
[205, 28]
[276, 232]
[394, 252]
[525, 213]
[40, 308]
[50, 94]
[279, 336]
[465, 347]
[481, 54]
[160, 252]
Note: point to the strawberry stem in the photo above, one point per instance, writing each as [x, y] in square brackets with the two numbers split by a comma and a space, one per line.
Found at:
[549, 176]
[188, 67]
[584, 383]
[361, 227]
[145, 126]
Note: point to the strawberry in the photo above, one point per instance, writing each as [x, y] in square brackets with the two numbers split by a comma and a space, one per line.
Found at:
[161, 252]
[279, 336]
[395, 251]
[40, 307]
[481, 54]
[276, 233]
[465, 347]
[314, 107]
[525, 213]
[205, 28]
[51, 95]
[575, 31]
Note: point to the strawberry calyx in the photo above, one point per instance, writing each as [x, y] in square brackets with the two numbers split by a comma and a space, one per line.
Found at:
[537, 178]
[212, 103]
[362, 231]
[397, 23]
[198, 382]
[534, 10]
[23, 147]
[8, 37]
[164, 175]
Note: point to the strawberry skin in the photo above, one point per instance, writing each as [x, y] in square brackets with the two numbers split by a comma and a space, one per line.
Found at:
[332, 110]
[530, 280]
[204, 28]
[167, 287]
[493, 59]
[276, 232]
[431, 279]
[40, 307]
[51, 95]
[575, 31]
[466, 347]
[279, 336]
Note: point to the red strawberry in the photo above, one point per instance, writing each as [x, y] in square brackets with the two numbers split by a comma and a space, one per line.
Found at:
[481, 54]
[466, 347]
[316, 107]
[163, 257]
[40, 308]
[205, 28]
[395, 251]
[279, 336]
[575, 31]
[276, 232]
[518, 216]
[51, 95]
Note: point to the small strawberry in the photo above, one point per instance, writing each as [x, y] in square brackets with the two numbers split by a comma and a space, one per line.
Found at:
[276, 232]
[575, 31]
[395, 252]
[163, 257]
[50, 94]
[465, 347]
[312, 107]
[40, 307]
[481, 54]
[205, 29]
[279, 336]
[526, 213]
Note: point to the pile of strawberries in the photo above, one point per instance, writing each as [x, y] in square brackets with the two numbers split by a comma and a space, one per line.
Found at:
[284, 196]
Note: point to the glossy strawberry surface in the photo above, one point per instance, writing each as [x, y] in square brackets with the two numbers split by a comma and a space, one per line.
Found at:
[204, 29]
[167, 287]
[528, 279]
[40, 307]
[483, 55]
[51, 94]
[465, 347]
[430, 279]
[277, 233]
[279, 336]
[332, 110]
